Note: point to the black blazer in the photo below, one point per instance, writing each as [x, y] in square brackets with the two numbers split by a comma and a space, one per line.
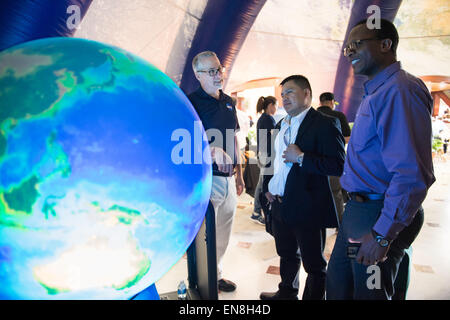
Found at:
[307, 200]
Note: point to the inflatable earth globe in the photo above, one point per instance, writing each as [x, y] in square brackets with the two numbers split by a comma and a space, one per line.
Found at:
[94, 200]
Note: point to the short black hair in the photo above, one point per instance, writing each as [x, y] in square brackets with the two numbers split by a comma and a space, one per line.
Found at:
[326, 96]
[387, 30]
[300, 80]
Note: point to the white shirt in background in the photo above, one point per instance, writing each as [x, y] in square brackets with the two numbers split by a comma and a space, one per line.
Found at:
[244, 127]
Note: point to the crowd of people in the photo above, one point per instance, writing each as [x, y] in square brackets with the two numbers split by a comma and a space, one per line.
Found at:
[306, 176]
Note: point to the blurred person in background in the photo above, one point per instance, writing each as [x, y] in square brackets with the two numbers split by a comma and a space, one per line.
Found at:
[266, 123]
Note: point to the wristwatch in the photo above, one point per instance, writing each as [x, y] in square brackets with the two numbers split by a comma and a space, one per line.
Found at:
[300, 159]
[382, 241]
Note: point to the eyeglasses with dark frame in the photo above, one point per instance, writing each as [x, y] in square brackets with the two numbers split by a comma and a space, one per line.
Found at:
[213, 72]
[354, 45]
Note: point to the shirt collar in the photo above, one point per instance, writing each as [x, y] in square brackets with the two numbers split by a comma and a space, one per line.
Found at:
[297, 118]
[203, 94]
[371, 86]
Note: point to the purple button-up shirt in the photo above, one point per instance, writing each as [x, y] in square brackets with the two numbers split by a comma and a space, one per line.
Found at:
[390, 147]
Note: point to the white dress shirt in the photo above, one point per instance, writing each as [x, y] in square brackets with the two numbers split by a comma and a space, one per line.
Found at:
[286, 136]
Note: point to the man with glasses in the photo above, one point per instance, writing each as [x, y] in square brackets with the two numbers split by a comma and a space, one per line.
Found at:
[218, 115]
[387, 172]
[308, 148]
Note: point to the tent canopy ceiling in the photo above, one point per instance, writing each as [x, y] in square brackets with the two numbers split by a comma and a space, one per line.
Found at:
[287, 37]
[306, 37]
[159, 31]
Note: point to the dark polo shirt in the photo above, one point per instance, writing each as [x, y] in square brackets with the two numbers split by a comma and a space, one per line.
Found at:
[345, 128]
[219, 115]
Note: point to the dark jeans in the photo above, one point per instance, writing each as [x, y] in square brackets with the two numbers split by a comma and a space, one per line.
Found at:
[294, 244]
[347, 279]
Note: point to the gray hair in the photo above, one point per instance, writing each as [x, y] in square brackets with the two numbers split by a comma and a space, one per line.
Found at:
[204, 54]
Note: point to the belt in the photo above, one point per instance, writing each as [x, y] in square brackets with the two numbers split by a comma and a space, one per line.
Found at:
[365, 196]
[222, 174]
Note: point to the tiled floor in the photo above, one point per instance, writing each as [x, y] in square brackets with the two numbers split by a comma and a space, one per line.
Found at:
[252, 263]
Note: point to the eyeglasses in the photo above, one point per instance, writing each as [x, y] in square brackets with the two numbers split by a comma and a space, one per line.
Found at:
[352, 46]
[213, 72]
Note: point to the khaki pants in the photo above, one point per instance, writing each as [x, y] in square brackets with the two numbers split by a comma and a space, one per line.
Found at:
[224, 201]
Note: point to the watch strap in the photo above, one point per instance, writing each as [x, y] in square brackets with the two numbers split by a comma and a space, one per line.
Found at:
[382, 241]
